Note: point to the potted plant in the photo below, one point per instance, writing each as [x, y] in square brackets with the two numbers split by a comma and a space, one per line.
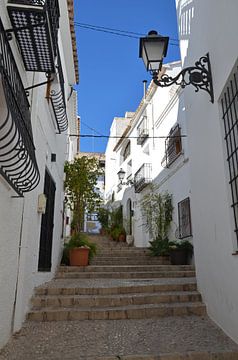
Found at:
[157, 210]
[79, 250]
[103, 217]
[180, 252]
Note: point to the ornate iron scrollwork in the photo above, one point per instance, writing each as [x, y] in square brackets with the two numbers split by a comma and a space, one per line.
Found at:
[17, 153]
[199, 76]
[59, 110]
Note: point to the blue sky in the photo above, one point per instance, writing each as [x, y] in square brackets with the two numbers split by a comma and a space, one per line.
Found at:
[110, 70]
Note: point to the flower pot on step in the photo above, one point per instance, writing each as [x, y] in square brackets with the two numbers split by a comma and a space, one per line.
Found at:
[78, 256]
[179, 257]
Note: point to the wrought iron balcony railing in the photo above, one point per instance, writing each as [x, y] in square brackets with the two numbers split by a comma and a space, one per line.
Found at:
[142, 131]
[35, 24]
[57, 98]
[17, 153]
[142, 177]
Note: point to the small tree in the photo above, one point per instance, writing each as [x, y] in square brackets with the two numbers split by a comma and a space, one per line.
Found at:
[80, 188]
[157, 209]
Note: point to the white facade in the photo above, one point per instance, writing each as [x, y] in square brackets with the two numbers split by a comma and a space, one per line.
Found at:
[211, 27]
[156, 115]
[20, 221]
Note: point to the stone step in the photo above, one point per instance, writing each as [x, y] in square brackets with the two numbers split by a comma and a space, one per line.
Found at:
[128, 261]
[72, 287]
[125, 268]
[116, 313]
[125, 275]
[190, 355]
[114, 300]
[123, 252]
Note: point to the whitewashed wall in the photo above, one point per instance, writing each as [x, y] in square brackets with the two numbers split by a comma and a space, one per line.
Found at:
[19, 220]
[161, 108]
[211, 27]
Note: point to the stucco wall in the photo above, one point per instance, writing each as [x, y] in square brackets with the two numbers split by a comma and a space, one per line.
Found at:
[20, 222]
[211, 28]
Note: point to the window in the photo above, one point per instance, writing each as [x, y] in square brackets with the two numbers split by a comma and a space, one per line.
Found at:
[173, 145]
[127, 151]
[92, 217]
[142, 131]
[229, 104]
[184, 217]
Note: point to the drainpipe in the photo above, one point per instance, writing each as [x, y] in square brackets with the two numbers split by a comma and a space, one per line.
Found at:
[18, 269]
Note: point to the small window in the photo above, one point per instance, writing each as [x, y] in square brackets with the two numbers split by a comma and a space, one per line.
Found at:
[173, 145]
[92, 217]
[184, 217]
[127, 151]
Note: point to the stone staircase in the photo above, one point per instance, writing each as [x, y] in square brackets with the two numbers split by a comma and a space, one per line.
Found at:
[126, 305]
[121, 283]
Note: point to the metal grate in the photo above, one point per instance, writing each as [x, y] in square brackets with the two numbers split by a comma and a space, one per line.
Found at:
[173, 145]
[142, 131]
[35, 24]
[142, 177]
[184, 216]
[17, 153]
[229, 104]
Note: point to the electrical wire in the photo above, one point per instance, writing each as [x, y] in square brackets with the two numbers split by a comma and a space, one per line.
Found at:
[91, 128]
[117, 32]
[125, 137]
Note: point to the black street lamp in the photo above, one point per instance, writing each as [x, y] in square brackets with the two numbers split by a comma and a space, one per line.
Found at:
[153, 49]
[121, 175]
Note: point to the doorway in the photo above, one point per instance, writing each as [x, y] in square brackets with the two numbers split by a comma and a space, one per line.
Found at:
[47, 225]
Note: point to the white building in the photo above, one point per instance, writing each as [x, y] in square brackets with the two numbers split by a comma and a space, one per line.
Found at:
[33, 146]
[152, 148]
[212, 129]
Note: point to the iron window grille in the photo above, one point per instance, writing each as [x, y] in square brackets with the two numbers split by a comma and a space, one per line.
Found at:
[229, 105]
[142, 177]
[173, 146]
[17, 152]
[184, 217]
[35, 24]
[142, 131]
[127, 151]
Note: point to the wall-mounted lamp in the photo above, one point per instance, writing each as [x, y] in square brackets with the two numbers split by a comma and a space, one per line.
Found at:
[153, 49]
[121, 175]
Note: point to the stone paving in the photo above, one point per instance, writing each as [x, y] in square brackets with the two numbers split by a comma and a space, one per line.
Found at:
[168, 338]
[86, 340]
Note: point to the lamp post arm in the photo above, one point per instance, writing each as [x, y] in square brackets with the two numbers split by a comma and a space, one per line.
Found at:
[199, 76]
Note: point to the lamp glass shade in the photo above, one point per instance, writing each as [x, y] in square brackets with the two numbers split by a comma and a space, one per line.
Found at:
[121, 174]
[153, 49]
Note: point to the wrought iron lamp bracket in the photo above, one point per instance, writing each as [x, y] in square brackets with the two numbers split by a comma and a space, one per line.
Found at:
[129, 182]
[199, 76]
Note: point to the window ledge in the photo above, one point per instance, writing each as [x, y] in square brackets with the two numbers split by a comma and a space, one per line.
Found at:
[235, 252]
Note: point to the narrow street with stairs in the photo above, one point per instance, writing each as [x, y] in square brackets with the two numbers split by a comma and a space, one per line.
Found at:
[126, 305]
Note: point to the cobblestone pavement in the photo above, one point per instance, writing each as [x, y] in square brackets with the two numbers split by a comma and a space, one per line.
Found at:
[93, 339]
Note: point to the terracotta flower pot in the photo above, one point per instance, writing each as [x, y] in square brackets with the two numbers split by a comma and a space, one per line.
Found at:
[78, 257]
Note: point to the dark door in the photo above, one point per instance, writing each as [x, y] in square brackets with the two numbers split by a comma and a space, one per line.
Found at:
[47, 225]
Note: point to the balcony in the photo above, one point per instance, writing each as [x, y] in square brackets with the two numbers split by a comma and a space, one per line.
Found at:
[57, 99]
[17, 152]
[142, 131]
[35, 24]
[142, 177]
